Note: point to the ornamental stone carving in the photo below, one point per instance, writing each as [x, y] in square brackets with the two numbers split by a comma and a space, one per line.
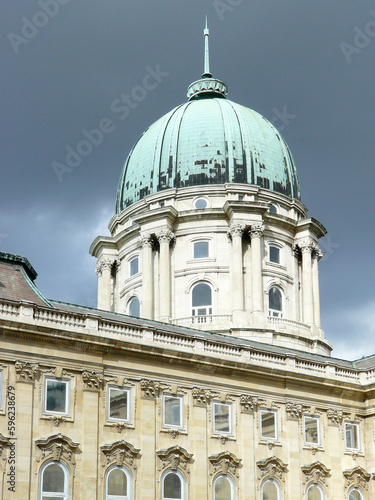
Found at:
[256, 230]
[272, 468]
[146, 240]
[165, 236]
[57, 447]
[120, 453]
[150, 389]
[174, 458]
[25, 371]
[5, 443]
[236, 229]
[92, 380]
[224, 463]
[294, 410]
[202, 397]
[335, 417]
[316, 473]
[357, 478]
[250, 404]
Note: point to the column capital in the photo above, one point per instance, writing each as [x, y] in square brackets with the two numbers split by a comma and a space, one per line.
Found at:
[236, 229]
[105, 263]
[308, 246]
[165, 235]
[146, 240]
[256, 230]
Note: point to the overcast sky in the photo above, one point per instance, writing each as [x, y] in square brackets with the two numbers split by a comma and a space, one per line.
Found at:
[308, 66]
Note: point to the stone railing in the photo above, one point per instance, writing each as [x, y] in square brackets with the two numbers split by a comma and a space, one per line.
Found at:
[198, 321]
[287, 323]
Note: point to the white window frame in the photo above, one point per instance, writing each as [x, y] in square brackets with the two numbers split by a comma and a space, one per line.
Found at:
[132, 259]
[182, 480]
[353, 425]
[271, 244]
[218, 431]
[317, 419]
[230, 482]
[357, 490]
[274, 313]
[49, 494]
[128, 483]
[201, 318]
[181, 398]
[127, 390]
[322, 496]
[277, 488]
[67, 396]
[203, 240]
[275, 414]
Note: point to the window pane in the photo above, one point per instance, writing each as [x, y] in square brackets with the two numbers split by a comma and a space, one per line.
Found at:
[53, 479]
[172, 486]
[352, 438]
[221, 417]
[273, 209]
[268, 425]
[56, 396]
[275, 299]
[202, 295]
[135, 308]
[222, 489]
[269, 491]
[117, 482]
[355, 495]
[314, 493]
[172, 411]
[134, 267]
[275, 255]
[311, 430]
[200, 249]
[118, 403]
[201, 203]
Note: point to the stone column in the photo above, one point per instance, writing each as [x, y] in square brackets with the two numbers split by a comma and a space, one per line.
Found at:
[236, 230]
[307, 248]
[256, 232]
[165, 236]
[315, 284]
[103, 270]
[147, 277]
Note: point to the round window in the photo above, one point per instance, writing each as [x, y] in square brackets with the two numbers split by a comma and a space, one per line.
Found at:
[200, 203]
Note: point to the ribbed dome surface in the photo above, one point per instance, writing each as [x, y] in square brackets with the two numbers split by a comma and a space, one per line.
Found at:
[209, 140]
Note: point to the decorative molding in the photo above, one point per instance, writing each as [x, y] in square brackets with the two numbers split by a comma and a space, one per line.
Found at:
[335, 417]
[57, 447]
[250, 404]
[165, 235]
[57, 420]
[236, 229]
[25, 371]
[92, 380]
[120, 453]
[5, 442]
[146, 240]
[224, 463]
[357, 478]
[316, 473]
[202, 397]
[174, 458]
[272, 468]
[256, 230]
[294, 410]
[150, 389]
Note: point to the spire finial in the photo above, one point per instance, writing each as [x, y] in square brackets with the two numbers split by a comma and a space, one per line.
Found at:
[206, 73]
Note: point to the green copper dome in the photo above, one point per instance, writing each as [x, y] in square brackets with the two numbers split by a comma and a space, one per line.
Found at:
[208, 140]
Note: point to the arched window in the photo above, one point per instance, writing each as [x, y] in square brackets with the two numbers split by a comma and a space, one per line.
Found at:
[355, 494]
[270, 490]
[117, 484]
[201, 301]
[223, 488]
[173, 486]
[273, 209]
[54, 482]
[275, 302]
[314, 492]
[134, 307]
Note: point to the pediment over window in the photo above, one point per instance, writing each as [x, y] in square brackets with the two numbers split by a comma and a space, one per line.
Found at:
[57, 447]
[272, 468]
[225, 463]
[120, 453]
[357, 477]
[316, 473]
[174, 458]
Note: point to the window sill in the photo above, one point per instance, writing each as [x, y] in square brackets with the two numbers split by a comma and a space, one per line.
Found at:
[203, 260]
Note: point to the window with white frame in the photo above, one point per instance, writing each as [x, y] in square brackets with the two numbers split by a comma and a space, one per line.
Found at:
[314, 492]
[223, 488]
[201, 298]
[173, 486]
[274, 254]
[352, 436]
[118, 403]
[54, 482]
[117, 484]
[268, 424]
[270, 490]
[311, 429]
[56, 396]
[222, 417]
[134, 266]
[134, 307]
[275, 302]
[173, 410]
[355, 494]
[201, 249]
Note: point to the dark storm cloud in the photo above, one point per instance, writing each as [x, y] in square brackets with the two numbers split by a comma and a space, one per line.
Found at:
[315, 60]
